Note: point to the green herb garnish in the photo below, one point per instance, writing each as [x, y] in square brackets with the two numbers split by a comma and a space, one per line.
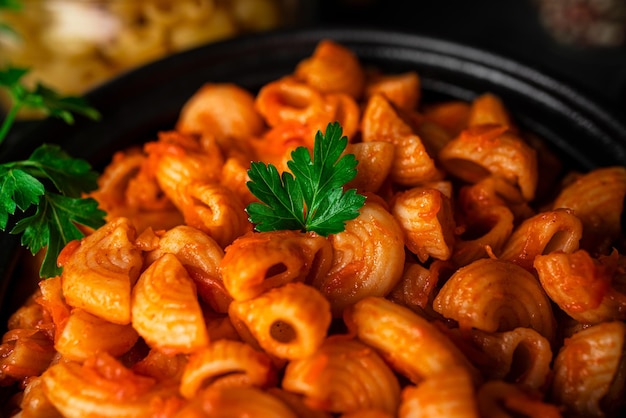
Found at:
[41, 98]
[313, 197]
[49, 183]
[12, 5]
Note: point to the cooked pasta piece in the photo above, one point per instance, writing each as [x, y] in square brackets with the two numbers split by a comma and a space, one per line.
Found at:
[226, 363]
[165, 309]
[411, 163]
[483, 150]
[485, 219]
[220, 326]
[35, 403]
[447, 394]
[290, 100]
[214, 209]
[585, 369]
[343, 376]
[498, 399]
[434, 136]
[381, 122]
[103, 387]
[24, 353]
[427, 220]
[201, 256]
[401, 336]
[234, 177]
[368, 258]
[102, 268]
[332, 68]
[223, 110]
[32, 314]
[597, 198]
[164, 367]
[582, 286]
[521, 356]
[178, 159]
[257, 262]
[451, 115]
[419, 286]
[277, 143]
[289, 322]
[547, 232]
[296, 402]
[484, 234]
[368, 413]
[488, 109]
[127, 187]
[495, 191]
[403, 90]
[496, 295]
[55, 309]
[83, 335]
[113, 182]
[375, 159]
[227, 402]
[347, 112]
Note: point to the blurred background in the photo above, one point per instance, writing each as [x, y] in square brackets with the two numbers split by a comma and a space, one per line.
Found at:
[74, 45]
[582, 42]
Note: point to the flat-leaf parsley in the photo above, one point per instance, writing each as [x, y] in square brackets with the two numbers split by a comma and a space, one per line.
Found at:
[311, 197]
[49, 185]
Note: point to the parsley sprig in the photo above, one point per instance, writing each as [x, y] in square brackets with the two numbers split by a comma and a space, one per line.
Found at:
[311, 197]
[49, 185]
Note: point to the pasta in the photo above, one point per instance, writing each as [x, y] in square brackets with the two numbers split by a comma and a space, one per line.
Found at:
[73, 46]
[496, 295]
[461, 289]
[449, 394]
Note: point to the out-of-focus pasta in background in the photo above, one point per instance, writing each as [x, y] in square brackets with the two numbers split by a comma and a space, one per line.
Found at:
[73, 45]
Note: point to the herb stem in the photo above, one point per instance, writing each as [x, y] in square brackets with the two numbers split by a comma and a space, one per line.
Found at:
[8, 122]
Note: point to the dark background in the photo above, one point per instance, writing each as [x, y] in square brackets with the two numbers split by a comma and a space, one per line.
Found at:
[511, 28]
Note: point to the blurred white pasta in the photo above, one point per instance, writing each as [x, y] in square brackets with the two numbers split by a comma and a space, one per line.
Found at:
[75, 45]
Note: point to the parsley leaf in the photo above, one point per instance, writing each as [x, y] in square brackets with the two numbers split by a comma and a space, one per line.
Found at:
[49, 185]
[54, 222]
[40, 97]
[54, 225]
[311, 197]
[71, 176]
[18, 189]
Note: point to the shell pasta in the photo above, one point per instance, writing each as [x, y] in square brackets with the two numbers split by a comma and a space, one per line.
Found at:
[467, 285]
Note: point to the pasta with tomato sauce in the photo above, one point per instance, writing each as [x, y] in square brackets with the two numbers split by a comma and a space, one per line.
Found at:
[459, 289]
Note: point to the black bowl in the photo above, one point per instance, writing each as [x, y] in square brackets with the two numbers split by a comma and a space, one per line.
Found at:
[584, 132]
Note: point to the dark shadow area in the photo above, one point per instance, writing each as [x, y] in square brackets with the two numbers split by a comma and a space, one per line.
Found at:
[510, 28]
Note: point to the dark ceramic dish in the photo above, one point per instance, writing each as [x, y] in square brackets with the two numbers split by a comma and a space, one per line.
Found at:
[138, 104]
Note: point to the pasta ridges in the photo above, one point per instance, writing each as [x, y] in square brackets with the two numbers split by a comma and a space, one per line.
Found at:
[256, 262]
[165, 308]
[344, 375]
[496, 295]
[403, 336]
[299, 309]
[368, 258]
[100, 281]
